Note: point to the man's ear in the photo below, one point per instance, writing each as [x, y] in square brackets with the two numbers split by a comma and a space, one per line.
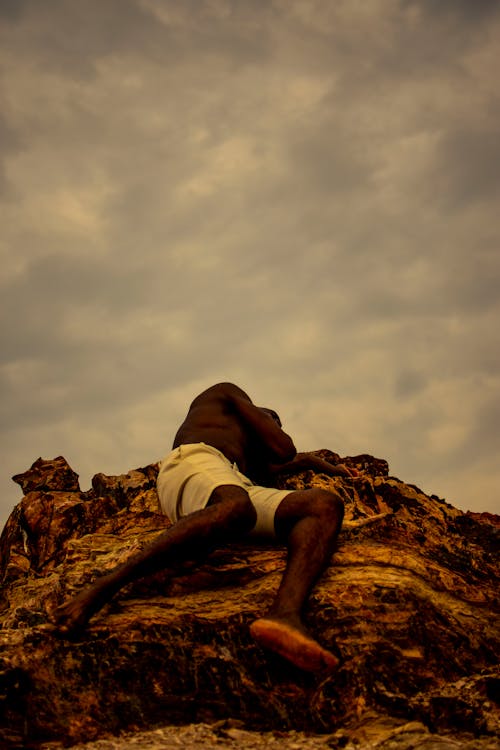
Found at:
[272, 414]
[276, 418]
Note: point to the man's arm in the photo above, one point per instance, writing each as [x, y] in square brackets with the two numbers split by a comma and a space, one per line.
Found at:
[304, 461]
[276, 442]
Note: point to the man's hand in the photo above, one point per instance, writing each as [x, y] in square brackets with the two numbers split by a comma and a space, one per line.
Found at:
[342, 470]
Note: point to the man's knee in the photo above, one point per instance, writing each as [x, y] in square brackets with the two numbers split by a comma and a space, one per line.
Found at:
[325, 505]
[235, 507]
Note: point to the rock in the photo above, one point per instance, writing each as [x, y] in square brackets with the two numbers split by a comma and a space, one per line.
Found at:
[409, 604]
[223, 734]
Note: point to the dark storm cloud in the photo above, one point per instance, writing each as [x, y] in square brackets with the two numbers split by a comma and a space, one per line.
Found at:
[484, 432]
[12, 9]
[326, 161]
[379, 44]
[466, 167]
[456, 280]
[11, 142]
[88, 32]
[408, 383]
[70, 37]
[39, 297]
[458, 10]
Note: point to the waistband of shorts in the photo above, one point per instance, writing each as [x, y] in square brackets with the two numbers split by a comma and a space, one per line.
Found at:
[192, 447]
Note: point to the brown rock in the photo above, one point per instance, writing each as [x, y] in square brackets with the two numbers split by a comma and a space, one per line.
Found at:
[43, 475]
[409, 604]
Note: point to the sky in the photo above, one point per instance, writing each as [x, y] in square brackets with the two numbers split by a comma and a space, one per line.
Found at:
[298, 196]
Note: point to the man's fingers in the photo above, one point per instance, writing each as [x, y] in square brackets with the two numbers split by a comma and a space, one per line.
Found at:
[346, 471]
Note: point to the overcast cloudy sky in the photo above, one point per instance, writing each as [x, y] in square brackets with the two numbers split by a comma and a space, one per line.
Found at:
[300, 196]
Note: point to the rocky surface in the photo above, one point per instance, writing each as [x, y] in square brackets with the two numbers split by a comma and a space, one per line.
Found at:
[228, 735]
[410, 605]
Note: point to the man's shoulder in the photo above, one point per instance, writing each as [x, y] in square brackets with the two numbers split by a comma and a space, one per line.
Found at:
[220, 390]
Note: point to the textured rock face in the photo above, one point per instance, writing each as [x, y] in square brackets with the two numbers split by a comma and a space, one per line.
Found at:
[410, 604]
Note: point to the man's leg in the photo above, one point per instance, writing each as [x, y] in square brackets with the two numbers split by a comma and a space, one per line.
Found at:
[310, 522]
[228, 516]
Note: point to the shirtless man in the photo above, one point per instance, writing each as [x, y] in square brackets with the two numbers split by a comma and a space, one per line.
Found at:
[204, 488]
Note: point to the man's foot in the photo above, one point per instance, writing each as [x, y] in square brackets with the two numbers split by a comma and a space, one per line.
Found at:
[294, 644]
[71, 618]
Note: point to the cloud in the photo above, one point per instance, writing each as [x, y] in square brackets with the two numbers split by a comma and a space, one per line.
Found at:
[465, 166]
[297, 196]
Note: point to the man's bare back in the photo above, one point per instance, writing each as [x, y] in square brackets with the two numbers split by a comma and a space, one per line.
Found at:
[224, 417]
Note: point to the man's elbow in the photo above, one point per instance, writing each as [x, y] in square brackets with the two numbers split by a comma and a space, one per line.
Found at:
[287, 451]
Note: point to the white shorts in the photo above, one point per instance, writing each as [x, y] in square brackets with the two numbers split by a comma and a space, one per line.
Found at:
[189, 475]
